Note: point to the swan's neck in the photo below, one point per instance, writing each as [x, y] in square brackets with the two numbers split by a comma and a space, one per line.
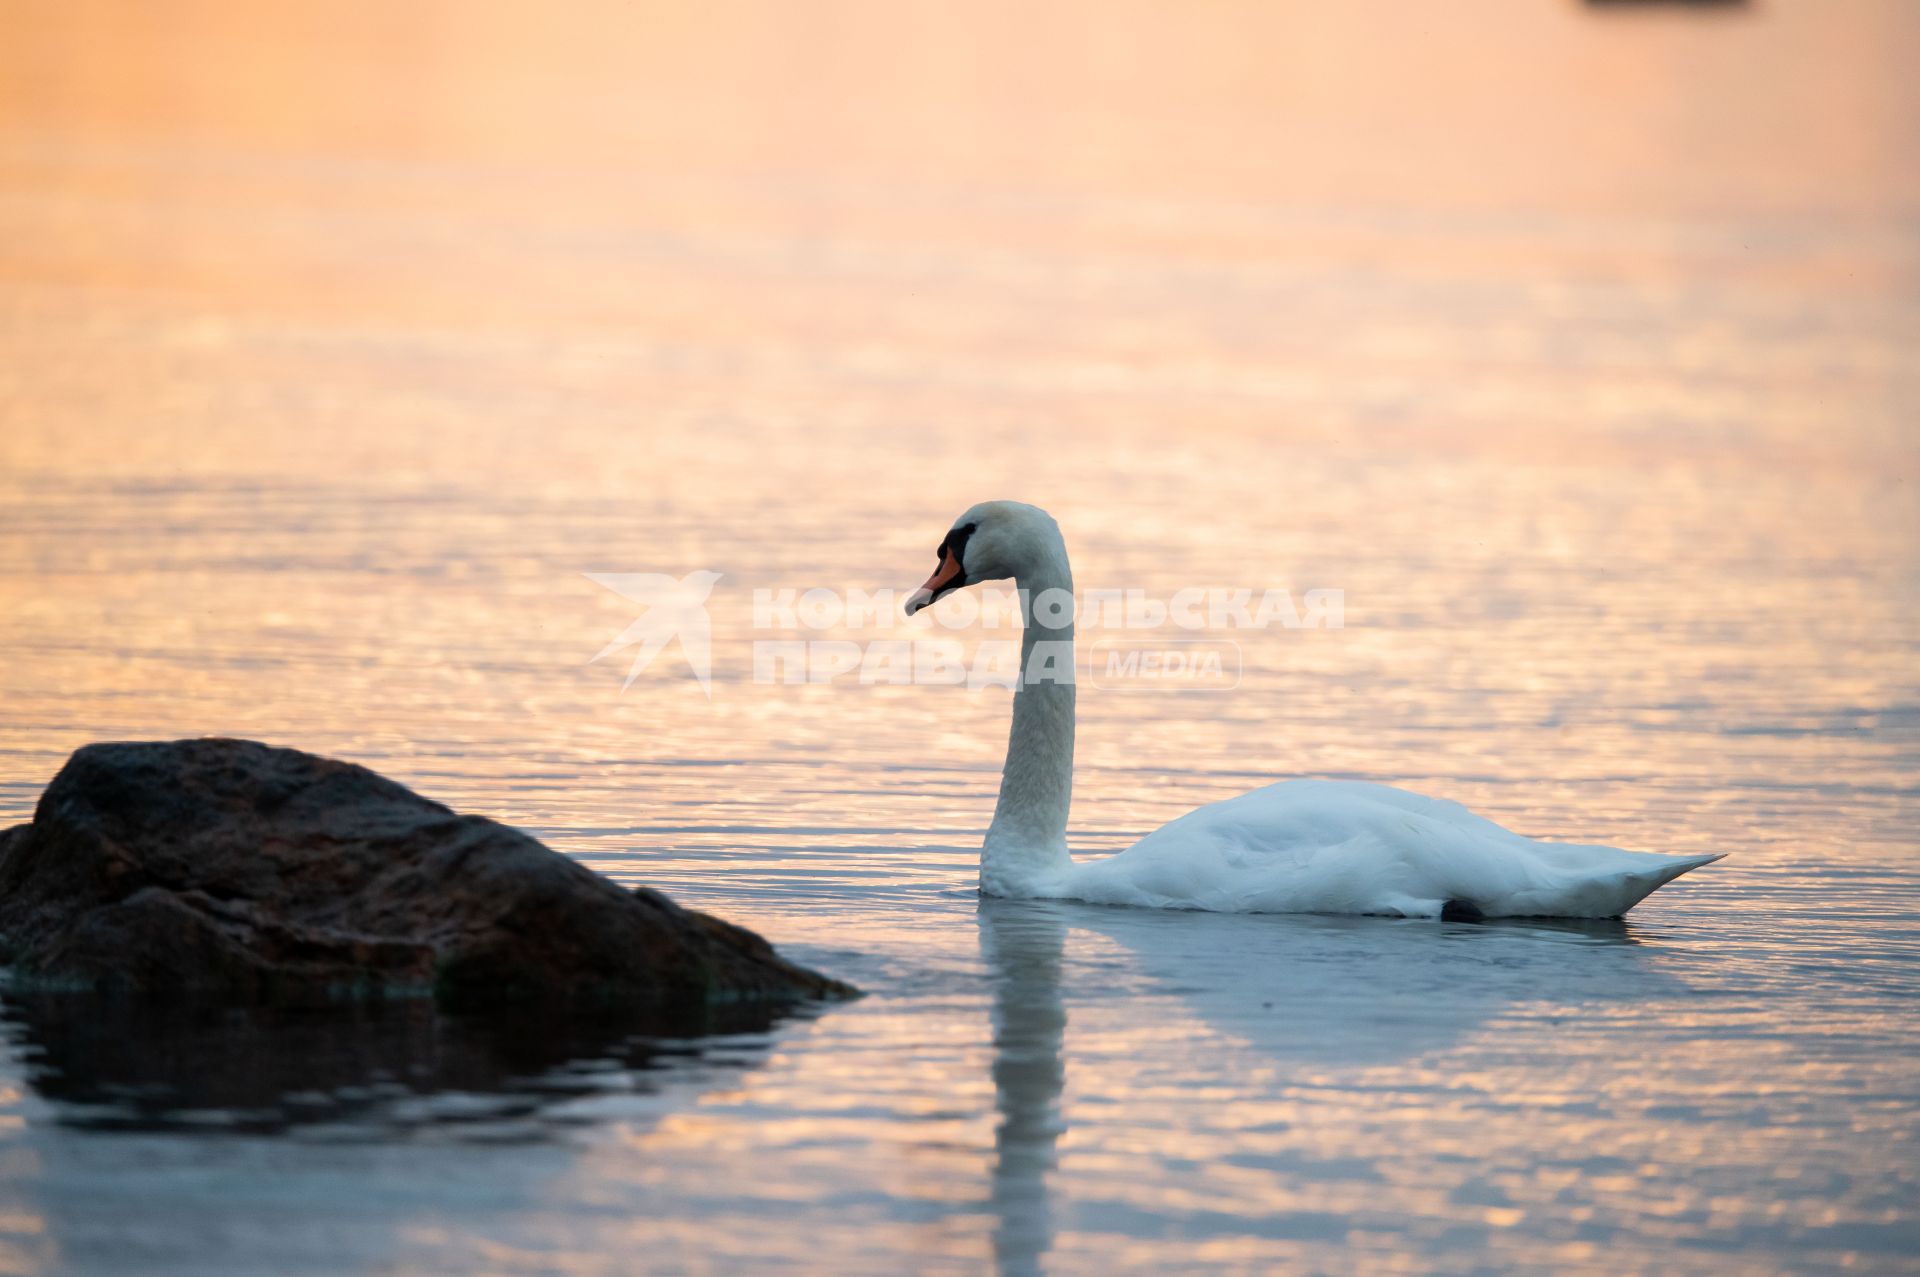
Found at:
[1027, 841]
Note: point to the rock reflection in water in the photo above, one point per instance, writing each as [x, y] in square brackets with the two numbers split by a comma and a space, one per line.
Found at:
[381, 1070]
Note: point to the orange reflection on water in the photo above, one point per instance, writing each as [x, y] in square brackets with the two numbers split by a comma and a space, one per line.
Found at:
[337, 343]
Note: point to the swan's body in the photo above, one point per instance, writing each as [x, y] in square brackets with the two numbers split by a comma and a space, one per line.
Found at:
[1331, 846]
[1299, 846]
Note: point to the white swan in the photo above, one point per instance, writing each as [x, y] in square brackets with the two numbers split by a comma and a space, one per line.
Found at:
[1300, 846]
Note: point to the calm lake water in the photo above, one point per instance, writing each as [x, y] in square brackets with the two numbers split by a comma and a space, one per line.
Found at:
[1580, 347]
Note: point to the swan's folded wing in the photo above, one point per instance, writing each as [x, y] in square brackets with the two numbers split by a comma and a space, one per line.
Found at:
[1351, 847]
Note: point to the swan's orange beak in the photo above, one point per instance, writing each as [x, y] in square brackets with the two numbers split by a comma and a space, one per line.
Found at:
[945, 579]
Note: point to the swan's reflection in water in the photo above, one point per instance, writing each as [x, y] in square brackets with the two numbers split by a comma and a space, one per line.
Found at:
[1023, 943]
[1293, 999]
[1311, 991]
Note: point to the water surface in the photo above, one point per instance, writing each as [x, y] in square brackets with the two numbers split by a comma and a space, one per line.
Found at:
[1576, 348]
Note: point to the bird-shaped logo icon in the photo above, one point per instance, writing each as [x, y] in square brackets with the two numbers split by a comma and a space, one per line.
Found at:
[675, 608]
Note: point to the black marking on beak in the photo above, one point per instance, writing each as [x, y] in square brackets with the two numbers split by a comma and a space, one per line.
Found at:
[956, 545]
[952, 551]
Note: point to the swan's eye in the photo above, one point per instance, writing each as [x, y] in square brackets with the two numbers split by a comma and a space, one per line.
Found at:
[956, 543]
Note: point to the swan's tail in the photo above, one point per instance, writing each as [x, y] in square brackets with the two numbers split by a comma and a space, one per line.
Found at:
[1590, 893]
[1638, 886]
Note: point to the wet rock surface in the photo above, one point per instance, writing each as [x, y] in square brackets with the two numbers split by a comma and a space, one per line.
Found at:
[260, 874]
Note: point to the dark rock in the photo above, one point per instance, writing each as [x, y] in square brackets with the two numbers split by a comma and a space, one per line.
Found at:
[271, 875]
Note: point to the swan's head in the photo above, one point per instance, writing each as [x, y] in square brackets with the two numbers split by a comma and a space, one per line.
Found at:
[992, 541]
